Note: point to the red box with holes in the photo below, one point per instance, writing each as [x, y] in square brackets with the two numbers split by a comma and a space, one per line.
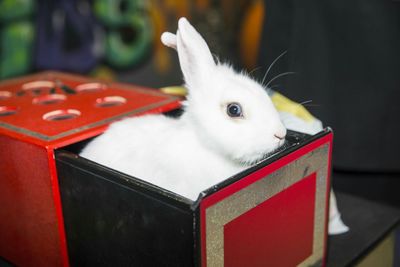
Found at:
[38, 114]
[60, 209]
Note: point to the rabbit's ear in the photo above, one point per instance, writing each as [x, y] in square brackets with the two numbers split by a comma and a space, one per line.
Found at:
[194, 55]
[169, 39]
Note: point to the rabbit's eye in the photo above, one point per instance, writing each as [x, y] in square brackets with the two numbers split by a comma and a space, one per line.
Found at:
[234, 110]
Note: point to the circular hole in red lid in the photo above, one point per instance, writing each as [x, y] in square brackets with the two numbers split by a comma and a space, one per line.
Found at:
[110, 101]
[48, 99]
[5, 95]
[61, 114]
[90, 87]
[7, 110]
[38, 84]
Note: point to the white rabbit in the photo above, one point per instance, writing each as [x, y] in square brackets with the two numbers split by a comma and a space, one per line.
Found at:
[229, 124]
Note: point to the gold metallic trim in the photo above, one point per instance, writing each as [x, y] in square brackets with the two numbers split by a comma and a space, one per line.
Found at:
[248, 198]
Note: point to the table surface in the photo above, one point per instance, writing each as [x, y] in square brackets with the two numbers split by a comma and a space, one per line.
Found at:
[369, 223]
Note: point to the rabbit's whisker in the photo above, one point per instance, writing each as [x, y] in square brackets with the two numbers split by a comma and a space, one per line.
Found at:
[253, 70]
[272, 64]
[305, 102]
[278, 76]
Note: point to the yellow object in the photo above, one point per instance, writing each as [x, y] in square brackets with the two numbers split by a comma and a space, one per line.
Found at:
[174, 90]
[284, 104]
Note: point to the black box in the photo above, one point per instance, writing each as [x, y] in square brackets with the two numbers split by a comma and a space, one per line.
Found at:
[273, 213]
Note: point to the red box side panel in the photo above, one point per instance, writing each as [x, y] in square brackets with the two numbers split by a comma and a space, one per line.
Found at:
[239, 185]
[29, 233]
[246, 243]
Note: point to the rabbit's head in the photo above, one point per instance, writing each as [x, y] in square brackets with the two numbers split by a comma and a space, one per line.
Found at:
[229, 111]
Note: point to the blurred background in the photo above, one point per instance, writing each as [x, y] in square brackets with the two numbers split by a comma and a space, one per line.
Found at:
[120, 39]
[345, 55]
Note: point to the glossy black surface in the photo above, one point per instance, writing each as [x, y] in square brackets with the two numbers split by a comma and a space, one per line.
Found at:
[369, 223]
[110, 219]
[115, 219]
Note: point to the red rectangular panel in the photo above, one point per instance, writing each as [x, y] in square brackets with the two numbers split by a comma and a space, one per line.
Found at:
[248, 243]
[275, 216]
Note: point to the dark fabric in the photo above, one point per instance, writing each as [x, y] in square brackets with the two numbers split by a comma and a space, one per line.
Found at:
[377, 187]
[347, 58]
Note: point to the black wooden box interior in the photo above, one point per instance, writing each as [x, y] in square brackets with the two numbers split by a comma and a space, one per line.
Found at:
[115, 219]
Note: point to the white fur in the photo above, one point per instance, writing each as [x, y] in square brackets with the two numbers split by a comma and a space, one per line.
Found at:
[205, 145]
